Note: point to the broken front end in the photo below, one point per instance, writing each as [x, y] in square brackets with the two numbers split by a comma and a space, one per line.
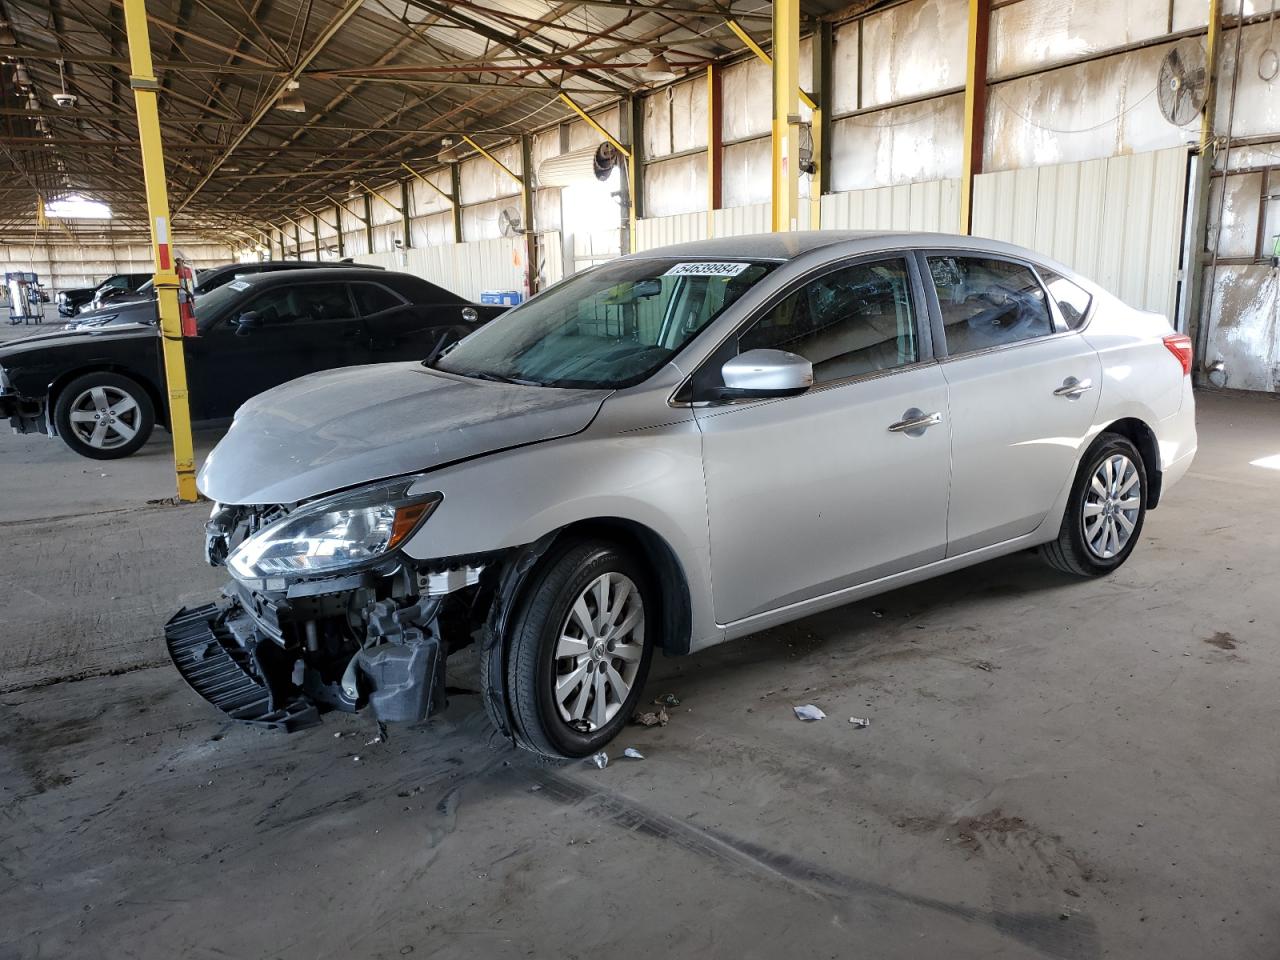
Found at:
[323, 611]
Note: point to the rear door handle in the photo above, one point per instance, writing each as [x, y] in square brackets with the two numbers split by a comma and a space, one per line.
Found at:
[1072, 388]
[915, 422]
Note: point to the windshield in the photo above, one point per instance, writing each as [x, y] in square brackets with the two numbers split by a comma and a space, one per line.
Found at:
[611, 327]
[209, 306]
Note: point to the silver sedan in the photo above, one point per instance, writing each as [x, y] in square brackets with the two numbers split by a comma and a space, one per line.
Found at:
[669, 451]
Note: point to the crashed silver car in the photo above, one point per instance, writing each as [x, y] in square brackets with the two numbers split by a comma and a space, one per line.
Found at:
[671, 450]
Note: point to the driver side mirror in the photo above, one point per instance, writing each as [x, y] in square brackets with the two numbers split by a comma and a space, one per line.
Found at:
[765, 373]
[247, 322]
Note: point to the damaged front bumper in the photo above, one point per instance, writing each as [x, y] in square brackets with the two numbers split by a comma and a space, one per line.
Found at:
[278, 655]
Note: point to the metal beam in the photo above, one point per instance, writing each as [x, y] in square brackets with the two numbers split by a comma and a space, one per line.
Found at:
[345, 13]
[1197, 316]
[975, 107]
[495, 161]
[820, 123]
[405, 223]
[786, 114]
[715, 145]
[455, 184]
[758, 50]
[145, 87]
[530, 236]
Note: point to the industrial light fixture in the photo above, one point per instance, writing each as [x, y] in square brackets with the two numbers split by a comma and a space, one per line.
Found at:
[33, 102]
[658, 69]
[20, 76]
[446, 154]
[353, 191]
[63, 98]
[291, 100]
[7, 37]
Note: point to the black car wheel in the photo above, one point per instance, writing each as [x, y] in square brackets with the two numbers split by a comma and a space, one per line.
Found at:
[104, 416]
[580, 650]
[1105, 514]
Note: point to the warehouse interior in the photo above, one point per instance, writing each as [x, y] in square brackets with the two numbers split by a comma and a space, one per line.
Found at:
[1049, 767]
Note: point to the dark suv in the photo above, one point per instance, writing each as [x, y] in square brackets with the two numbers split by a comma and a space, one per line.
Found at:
[70, 301]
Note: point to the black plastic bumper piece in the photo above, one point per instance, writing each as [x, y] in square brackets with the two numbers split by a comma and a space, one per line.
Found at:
[220, 670]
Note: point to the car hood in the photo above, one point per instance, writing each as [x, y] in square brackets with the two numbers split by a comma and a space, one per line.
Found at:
[40, 341]
[355, 425]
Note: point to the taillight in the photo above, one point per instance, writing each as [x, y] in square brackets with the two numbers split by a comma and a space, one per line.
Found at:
[1179, 345]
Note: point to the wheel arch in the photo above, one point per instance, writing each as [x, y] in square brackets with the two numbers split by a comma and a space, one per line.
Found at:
[154, 393]
[1143, 437]
[675, 613]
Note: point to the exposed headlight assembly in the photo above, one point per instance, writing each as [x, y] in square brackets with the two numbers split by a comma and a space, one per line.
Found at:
[339, 533]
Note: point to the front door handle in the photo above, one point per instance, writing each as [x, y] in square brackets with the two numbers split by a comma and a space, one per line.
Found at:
[915, 422]
[1073, 389]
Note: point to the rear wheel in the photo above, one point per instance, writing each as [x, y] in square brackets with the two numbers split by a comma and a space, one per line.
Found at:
[104, 415]
[580, 650]
[1105, 514]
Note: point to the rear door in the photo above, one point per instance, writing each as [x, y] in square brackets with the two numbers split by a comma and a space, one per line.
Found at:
[812, 494]
[402, 329]
[1022, 390]
[305, 327]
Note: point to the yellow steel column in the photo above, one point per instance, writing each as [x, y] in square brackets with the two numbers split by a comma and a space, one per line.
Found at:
[145, 86]
[786, 114]
[975, 107]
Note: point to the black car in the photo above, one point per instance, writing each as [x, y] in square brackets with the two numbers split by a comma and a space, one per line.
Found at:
[120, 284]
[102, 389]
[121, 306]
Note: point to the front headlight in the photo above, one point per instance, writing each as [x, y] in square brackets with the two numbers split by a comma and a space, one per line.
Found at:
[338, 533]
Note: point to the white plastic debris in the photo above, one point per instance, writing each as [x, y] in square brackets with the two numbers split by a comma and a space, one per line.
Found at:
[809, 712]
[599, 760]
[860, 723]
[633, 753]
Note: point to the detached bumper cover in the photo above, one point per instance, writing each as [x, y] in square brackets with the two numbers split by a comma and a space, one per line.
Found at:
[216, 666]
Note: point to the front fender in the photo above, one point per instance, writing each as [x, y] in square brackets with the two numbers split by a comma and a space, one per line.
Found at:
[651, 477]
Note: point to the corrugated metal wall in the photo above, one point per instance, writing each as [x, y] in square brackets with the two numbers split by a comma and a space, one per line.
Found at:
[62, 266]
[1118, 221]
[932, 206]
[466, 269]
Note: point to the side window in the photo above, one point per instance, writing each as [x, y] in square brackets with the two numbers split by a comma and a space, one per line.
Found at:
[986, 303]
[300, 303]
[1073, 302]
[373, 298]
[851, 321]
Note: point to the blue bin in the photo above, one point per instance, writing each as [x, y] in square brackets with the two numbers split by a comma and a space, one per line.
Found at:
[501, 298]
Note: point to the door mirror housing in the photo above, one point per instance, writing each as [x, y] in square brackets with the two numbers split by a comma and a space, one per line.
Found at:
[765, 373]
[247, 322]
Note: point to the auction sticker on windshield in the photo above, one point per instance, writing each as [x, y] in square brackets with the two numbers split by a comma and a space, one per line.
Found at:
[238, 285]
[706, 269]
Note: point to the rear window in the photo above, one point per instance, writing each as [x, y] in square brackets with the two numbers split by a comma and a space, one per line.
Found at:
[1072, 300]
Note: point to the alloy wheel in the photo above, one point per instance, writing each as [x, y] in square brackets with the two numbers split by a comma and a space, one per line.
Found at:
[1112, 504]
[105, 417]
[598, 652]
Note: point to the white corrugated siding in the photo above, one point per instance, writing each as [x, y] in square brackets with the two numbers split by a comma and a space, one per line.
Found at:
[467, 269]
[932, 206]
[1118, 221]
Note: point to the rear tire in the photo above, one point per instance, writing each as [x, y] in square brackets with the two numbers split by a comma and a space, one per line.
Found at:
[580, 650]
[1105, 512]
[104, 416]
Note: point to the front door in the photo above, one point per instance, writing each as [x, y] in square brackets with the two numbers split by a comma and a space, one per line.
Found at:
[811, 494]
[1023, 390]
[303, 327]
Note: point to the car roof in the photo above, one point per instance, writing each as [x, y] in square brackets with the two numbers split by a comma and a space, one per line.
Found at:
[789, 246]
[318, 274]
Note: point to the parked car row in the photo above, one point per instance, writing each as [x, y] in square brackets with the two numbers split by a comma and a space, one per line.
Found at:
[667, 451]
[101, 388]
[113, 305]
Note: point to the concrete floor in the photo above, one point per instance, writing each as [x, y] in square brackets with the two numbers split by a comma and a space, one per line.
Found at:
[1054, 768]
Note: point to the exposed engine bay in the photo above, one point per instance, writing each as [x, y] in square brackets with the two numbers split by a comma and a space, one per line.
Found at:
[278, 650]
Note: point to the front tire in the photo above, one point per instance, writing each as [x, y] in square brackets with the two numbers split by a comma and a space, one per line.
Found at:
[104, 416]
[580, 650]
[1104, 516]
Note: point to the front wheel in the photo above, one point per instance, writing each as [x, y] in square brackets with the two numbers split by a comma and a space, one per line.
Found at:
[1105, 514]
[104, 416]
[580, 650]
